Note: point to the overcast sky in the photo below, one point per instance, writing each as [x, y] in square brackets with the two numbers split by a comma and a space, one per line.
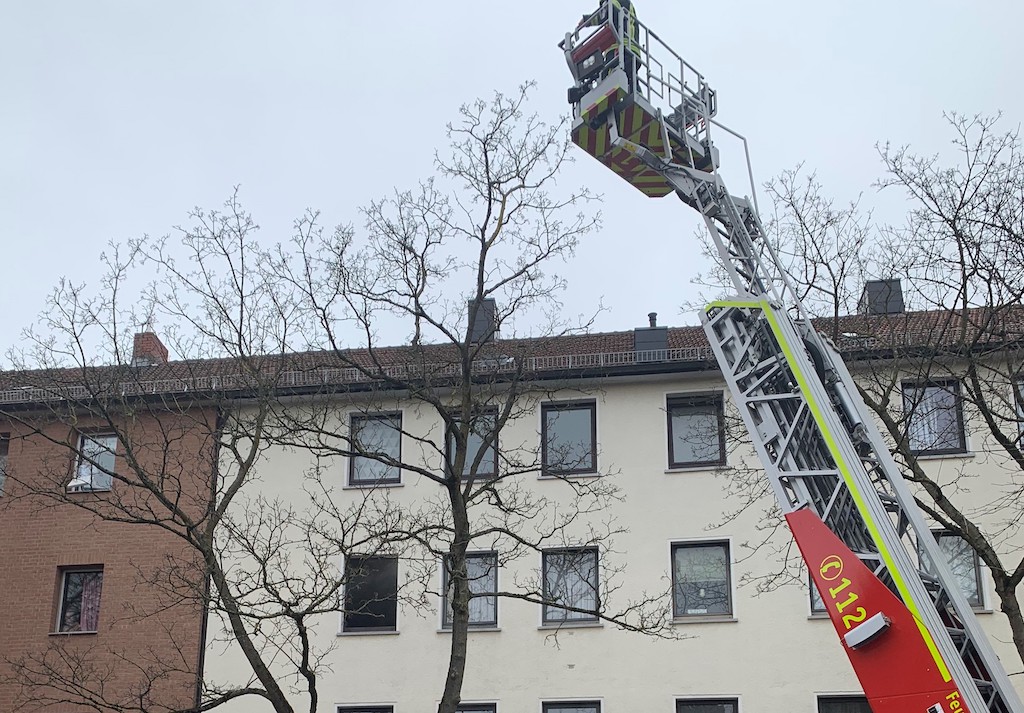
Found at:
[117, 117]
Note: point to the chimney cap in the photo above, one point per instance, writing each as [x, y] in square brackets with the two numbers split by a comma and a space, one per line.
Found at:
[881, 297]
[652, 317]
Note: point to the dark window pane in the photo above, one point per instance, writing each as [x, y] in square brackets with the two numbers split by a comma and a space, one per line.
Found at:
[843, 704]
[696, 432]
[570, 579]
[4, 443]
[935, 423]
[700, 578]
[481, 428]
[724, 705]
[381, 436]
[568, 438]
[482, 573]
[371, 593]
[477, 708]
[364, 709]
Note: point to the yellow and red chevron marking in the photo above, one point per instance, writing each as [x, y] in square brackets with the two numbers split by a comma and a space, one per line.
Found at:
[609, 99]
[597, 142]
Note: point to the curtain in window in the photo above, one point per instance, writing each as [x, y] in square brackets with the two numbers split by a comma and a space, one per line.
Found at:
[934, 423]
[572, 708]
[701, 577]
[380, 435]
[482, 574]
[706, 706]
[570, 579]
[92, 584]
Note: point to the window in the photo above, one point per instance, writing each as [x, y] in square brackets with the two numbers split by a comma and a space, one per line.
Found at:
[707, 705]
[482, 573]
[80, 599]
[371, 594]
[477, 708]
[569, 438]
[366, 709]
[696, 431]
[935, 422]
[482, 426]
[5, 441]
[570, 579]
[963, 562]
[817, 603]
[700, 579]
[572, 707]
[843, 704]
[95, 462]
[380, 437]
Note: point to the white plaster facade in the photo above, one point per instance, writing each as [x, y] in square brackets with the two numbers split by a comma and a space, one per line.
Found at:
[772, 654]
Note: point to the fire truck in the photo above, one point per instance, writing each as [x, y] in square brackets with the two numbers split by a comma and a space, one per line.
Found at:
[645, 113]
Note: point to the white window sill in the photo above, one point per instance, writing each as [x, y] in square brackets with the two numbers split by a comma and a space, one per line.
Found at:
[367, 633]
[706, 467]
[818, 615]
[372, 486]
[569, 476]
[704, 619]
[554, 626]
[87, 492]
[966, 455]
[474, 629]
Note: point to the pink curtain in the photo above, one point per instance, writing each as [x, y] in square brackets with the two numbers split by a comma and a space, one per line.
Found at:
[92, 584]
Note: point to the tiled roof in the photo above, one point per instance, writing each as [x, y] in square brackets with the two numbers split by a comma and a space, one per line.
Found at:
[599, 354]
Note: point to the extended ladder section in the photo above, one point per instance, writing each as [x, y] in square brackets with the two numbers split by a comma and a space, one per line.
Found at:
[646, 114]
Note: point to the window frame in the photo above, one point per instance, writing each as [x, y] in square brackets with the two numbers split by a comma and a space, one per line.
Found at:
[62, 597]
[446, 623]
[812, 588]
[555, 406]
[477, 708]
[549, 706]
[354, 459]
[346, 627]
[729, 584]
[546, 619]
[5, 458]
[717, 401]
[706, 701]
[449, 448]
[82, 462]
[839, 697]
[911, 405]
[979, 579]
[364, 709]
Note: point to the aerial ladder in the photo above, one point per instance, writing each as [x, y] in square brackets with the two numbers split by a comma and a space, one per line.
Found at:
[909, 632]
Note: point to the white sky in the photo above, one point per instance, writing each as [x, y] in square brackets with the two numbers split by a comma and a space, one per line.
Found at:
[116, 118]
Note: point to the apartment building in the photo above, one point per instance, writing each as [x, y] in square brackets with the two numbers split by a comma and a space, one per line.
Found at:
[645, 413]
[92, 569]
[631, 492]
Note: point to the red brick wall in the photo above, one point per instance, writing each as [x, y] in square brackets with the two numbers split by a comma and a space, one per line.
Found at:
[143, 629]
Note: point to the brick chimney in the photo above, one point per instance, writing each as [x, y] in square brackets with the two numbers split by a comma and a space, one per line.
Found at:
[148, 350]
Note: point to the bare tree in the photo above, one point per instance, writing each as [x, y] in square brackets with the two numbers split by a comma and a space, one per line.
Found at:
[951, 365]
[283, 347]
[463, 257]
